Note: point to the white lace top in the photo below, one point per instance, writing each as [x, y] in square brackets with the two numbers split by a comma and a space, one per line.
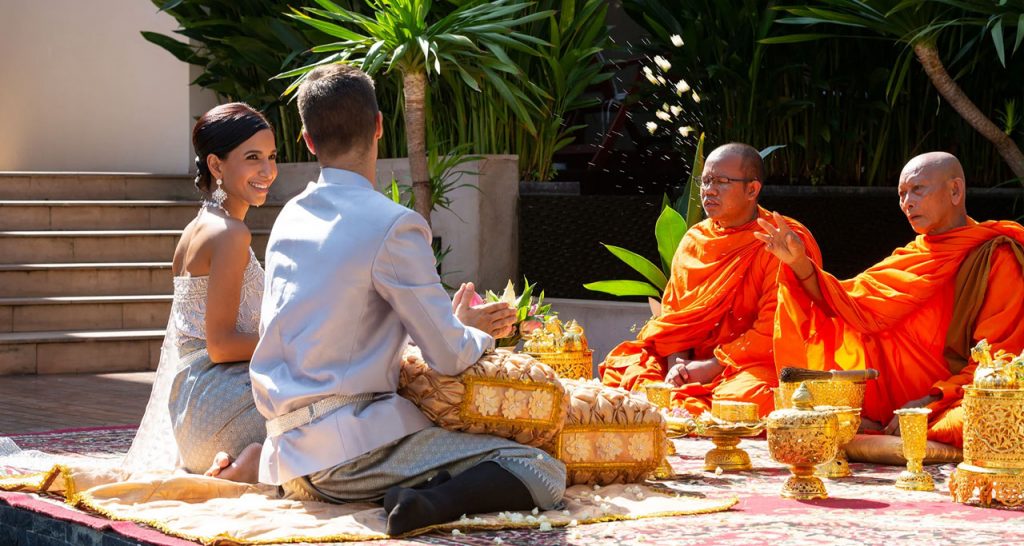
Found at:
[188, 310]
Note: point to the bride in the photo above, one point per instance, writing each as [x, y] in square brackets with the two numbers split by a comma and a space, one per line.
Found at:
[201, 416]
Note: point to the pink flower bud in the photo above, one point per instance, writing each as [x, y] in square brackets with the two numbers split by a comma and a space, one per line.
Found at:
[529, 325]
[475, 300]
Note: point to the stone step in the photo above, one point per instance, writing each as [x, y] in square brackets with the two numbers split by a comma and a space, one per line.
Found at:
[94, 185]
[96, 215]
[98, 246]
[80, 351]
[81, 279]
[40, 314]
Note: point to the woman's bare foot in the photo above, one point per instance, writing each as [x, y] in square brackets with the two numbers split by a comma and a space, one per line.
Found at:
[243, 469]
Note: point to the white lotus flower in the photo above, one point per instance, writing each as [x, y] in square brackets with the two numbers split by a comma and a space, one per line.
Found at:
[652, 127]
[682, 87]
[662, 63]
[677, 40]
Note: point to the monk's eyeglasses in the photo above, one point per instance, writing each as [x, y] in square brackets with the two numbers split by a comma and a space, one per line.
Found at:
[721, 181]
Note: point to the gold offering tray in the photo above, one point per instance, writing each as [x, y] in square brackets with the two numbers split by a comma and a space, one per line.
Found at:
[680, 426]
[739, 430]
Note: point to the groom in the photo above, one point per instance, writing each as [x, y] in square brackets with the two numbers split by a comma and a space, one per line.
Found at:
[350, 277]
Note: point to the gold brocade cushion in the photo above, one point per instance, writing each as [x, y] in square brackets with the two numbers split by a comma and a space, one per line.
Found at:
[609, 436]
[505, 394]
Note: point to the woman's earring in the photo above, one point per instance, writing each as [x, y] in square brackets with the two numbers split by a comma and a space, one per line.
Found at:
[219, 195]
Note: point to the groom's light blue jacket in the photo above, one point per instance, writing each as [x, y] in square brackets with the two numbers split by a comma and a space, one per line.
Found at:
[350, 276]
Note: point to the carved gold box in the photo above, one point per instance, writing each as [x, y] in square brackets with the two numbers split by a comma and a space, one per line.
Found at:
[993, 467]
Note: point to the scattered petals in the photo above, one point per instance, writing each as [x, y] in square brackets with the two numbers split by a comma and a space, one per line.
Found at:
[677, 40]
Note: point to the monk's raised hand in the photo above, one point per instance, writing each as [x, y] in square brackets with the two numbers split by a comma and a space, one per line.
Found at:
[780, 240]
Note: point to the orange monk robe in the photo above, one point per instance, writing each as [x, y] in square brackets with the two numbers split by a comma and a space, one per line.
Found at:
[720, 301]
[895, 317]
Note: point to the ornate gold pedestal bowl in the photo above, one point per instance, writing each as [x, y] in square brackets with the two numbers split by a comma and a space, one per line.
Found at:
[803, 437]
[847, 396]
[993, 467]
[849, 422]
[728, 423]
[726, 437]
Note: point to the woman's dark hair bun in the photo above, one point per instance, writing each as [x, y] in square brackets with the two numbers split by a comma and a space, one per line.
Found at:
[221, 130]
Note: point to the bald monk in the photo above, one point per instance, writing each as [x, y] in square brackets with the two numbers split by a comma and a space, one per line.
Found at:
[713, 337]
[914, 315]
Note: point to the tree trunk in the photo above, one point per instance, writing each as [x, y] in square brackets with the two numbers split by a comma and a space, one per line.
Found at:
[414, 88]
[929, 57]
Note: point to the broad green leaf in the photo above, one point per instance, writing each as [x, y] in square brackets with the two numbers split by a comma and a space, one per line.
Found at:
[624, 288]
[641, 265]
[668, 231]
[694, 211]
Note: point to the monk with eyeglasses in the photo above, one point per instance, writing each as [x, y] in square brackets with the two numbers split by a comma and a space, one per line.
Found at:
[712, 339]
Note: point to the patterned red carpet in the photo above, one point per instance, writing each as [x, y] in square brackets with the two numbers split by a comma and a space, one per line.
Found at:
[864, 509]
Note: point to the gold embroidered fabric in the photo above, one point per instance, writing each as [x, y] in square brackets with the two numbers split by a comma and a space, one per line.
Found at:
[505, 394]
[218, 512]
[609, 436]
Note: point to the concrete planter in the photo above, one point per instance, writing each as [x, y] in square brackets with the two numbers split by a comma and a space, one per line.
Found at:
[482, 226]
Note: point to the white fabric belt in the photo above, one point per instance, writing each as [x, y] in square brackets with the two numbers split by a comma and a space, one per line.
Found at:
[307, 414]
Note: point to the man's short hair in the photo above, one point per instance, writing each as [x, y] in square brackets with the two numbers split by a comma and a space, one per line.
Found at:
[752, 163]
[338, 107]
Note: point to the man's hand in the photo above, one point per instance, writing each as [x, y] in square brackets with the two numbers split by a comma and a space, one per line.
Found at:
[868, 424]
[497, 318]
[893, 428]
[693, 371]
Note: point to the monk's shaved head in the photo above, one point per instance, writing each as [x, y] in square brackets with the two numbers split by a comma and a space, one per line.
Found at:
[750, 158]
[932, 193]
[935, 166]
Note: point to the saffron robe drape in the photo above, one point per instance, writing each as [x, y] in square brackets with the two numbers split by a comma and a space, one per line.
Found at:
[896, 317]
[720, 301]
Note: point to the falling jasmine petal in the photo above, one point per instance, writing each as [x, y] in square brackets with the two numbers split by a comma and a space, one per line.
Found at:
[677, 40]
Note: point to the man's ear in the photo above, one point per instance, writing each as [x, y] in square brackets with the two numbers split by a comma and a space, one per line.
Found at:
[957, 189]
[309, 142]
[754, 189]
[379, 132]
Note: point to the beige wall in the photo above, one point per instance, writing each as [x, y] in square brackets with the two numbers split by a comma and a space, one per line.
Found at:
[81, 90]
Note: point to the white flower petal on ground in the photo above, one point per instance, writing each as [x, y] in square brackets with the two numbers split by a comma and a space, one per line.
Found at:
[677, 40]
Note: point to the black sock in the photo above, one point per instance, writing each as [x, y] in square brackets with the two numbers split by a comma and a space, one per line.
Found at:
[486, 487]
